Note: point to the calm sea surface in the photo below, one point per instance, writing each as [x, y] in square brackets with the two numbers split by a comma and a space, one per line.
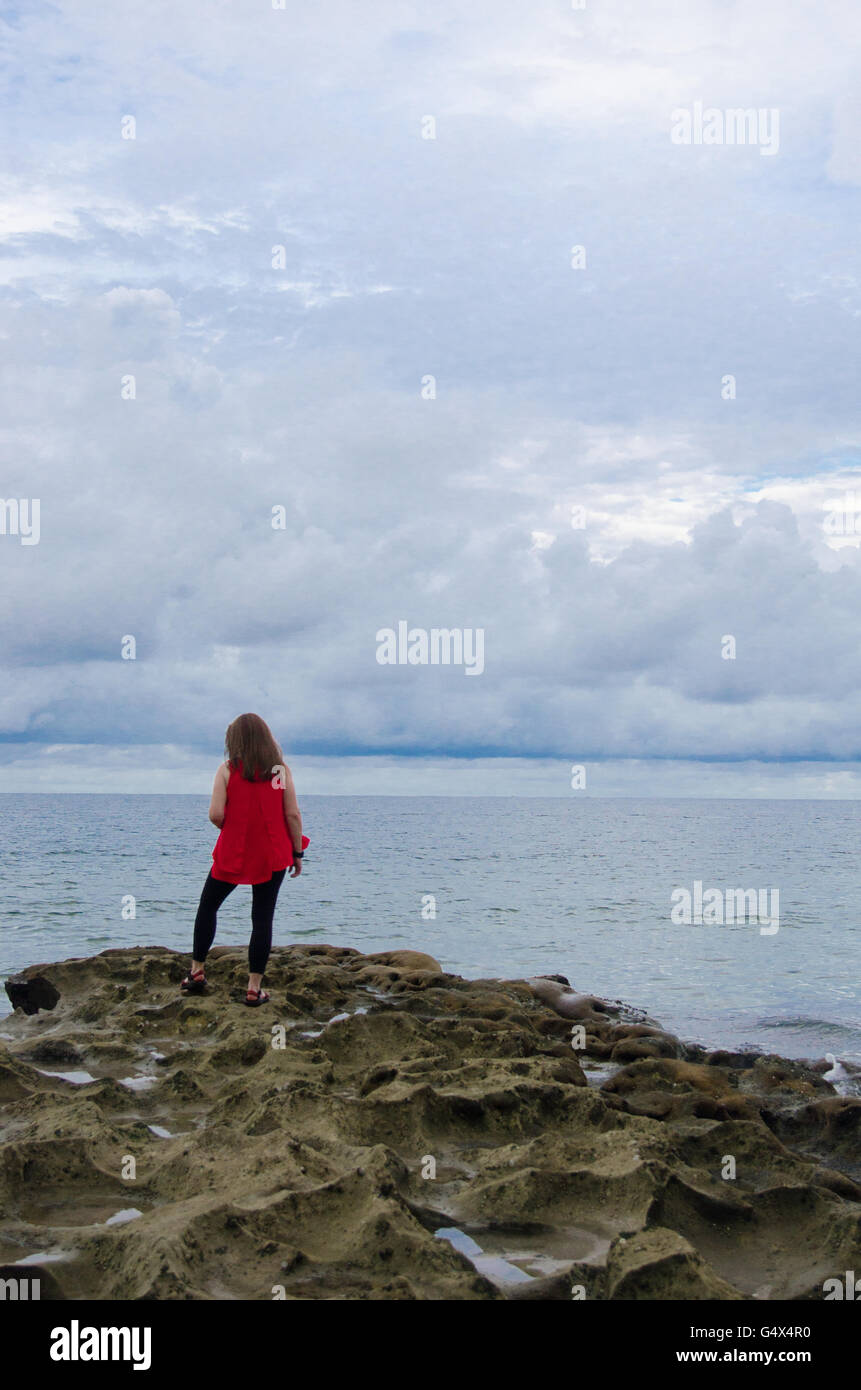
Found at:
[521, 886]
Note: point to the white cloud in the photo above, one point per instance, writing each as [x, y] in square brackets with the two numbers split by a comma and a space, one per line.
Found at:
[556, 388]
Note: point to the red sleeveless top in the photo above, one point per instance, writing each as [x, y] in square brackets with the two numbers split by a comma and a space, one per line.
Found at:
[254, 841]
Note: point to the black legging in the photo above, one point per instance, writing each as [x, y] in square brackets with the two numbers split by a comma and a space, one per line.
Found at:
[263, 899]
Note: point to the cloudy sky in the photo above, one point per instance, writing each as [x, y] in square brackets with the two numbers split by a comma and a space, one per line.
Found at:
[336, 263]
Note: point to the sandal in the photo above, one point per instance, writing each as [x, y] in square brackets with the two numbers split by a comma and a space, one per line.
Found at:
[255, 997]
[194, 982]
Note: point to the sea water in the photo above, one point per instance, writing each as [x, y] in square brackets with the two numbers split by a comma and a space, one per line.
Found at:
[490, 886]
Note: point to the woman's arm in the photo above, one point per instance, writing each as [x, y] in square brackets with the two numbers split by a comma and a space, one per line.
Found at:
[292, 814]
[218, 801]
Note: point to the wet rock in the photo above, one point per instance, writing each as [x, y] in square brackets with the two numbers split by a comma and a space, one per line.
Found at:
[596, 1047]
[669, 1088]
[796, 1080]
[737, 1061]
[673, 1076]
[565, 1002]
[631, 1049]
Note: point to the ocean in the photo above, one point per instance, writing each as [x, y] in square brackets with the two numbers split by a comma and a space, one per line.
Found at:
[490, 886]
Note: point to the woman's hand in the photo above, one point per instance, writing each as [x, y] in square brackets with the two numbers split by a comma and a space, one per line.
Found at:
[296, 868]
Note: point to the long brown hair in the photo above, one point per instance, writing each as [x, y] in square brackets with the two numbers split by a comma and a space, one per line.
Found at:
[249, 741]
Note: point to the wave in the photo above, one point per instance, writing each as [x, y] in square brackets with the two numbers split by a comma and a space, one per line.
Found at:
[821, 1026]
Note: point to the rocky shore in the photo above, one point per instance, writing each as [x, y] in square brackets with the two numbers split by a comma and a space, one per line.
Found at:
[382, 1130]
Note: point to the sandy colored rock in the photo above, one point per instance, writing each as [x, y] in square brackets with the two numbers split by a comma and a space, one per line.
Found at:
[406, 960]
[660, 1264]
[325, 1143]
[651, 1045]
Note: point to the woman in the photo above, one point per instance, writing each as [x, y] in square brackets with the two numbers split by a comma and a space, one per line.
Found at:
[254, 806]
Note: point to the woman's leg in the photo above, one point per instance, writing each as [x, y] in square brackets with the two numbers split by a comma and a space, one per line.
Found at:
[213, 895]
[263, 899]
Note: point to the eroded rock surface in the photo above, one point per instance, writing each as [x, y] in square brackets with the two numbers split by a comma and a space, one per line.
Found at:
[383, 1130]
